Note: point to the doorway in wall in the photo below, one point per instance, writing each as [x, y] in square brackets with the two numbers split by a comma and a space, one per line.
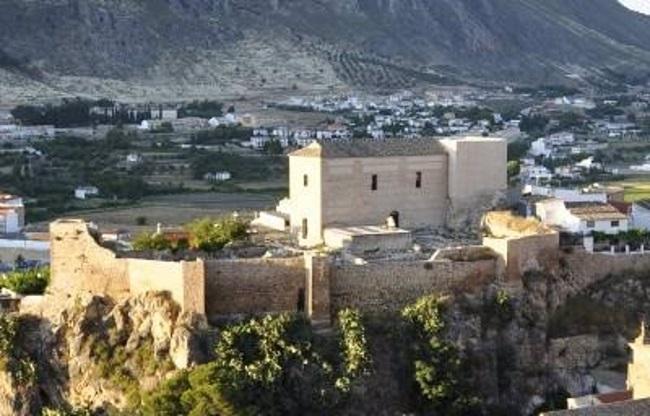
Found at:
[395, 217]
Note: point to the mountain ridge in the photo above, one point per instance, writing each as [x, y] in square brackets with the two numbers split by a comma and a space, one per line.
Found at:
[249, 47]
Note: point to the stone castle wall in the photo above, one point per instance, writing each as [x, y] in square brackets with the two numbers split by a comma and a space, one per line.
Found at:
[80, 264]
[313, 283]
[389, 286]
[583, 269]
[528, 253]
[254, 286]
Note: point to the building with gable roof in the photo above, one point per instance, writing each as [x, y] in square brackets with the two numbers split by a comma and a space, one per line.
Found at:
[408, 183]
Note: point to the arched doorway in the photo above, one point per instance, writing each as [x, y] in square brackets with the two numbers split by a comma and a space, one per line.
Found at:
[395, 218]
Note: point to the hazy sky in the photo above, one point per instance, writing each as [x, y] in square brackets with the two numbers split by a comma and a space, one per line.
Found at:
[642, 6]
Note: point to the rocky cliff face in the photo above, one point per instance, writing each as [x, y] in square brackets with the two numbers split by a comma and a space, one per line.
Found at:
[265, 46]
[99, 354]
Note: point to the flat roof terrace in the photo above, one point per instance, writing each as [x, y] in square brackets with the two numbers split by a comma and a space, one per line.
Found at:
[368, 238]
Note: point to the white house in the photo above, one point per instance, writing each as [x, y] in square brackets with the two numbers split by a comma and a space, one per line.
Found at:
[304, 142]
[561, 139]
[581, 217]
[566, 194]
[640, 215]
[258, 142]
[538, 148]
[133, 158]
[145, 125]
[84, 192]
[12, 214]
[536, 174]
[217, 176]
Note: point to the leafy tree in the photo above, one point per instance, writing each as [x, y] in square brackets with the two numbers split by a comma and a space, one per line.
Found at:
[534, 125]
[354, 348]
[437, 365]
[265, 366]
[165, 127]
[203, 109]
[518, 149]
[117, 138]
[272, 147]
[149, 241]
[210, 234]
[222, 134]
[514, 168]
[27, 282]
[67, 412]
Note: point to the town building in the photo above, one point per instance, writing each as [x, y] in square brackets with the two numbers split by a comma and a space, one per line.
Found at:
[217, 176]
[12, 214]
[412, 182]
[85, 192]
[640, 215]
[581, 217]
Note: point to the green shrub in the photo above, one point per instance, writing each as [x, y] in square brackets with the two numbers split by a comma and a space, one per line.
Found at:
[354, 348]
[27, 282]
[151, 241]
[210, 234]
[12, 358]
[437, 366]
[85, 411]
[266, 366]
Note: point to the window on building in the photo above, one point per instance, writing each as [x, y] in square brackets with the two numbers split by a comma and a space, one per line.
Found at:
[305, 230]
[305, 180]
[373, 185]
[418, 180]
[591, 224]
[615, 223]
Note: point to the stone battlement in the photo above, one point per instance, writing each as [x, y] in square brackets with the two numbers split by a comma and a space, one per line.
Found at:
[317, 284]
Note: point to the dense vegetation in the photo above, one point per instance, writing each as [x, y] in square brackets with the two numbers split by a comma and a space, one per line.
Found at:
[437, 365]
[68, 162]
[203, 109]
[205, 234]
[12, 358]
[275, 365]
[534, 125]
[222, 135]
[241, 167]
[77, 113]
[27, 282]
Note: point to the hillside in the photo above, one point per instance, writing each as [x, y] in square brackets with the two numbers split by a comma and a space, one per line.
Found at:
[181, 48]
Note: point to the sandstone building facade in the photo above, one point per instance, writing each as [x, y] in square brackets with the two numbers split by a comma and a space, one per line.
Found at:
[416, 182]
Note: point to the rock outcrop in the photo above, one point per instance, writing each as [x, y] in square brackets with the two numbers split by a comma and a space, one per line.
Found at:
[92, 352]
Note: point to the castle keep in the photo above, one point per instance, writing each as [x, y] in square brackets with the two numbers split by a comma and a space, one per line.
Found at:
[415, 182]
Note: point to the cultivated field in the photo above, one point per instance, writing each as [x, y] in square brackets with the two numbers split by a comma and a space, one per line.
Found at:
[179, 209]
[635, 189]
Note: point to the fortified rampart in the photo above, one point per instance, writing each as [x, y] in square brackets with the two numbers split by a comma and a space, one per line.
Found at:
[80, 264]
[313, 283]
[254, 286]
[317, 284]
[388, 286]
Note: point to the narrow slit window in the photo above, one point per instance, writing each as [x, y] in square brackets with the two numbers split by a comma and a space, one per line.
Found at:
[373, 185]
[305, 229]
[305, 180]
[418, 180]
